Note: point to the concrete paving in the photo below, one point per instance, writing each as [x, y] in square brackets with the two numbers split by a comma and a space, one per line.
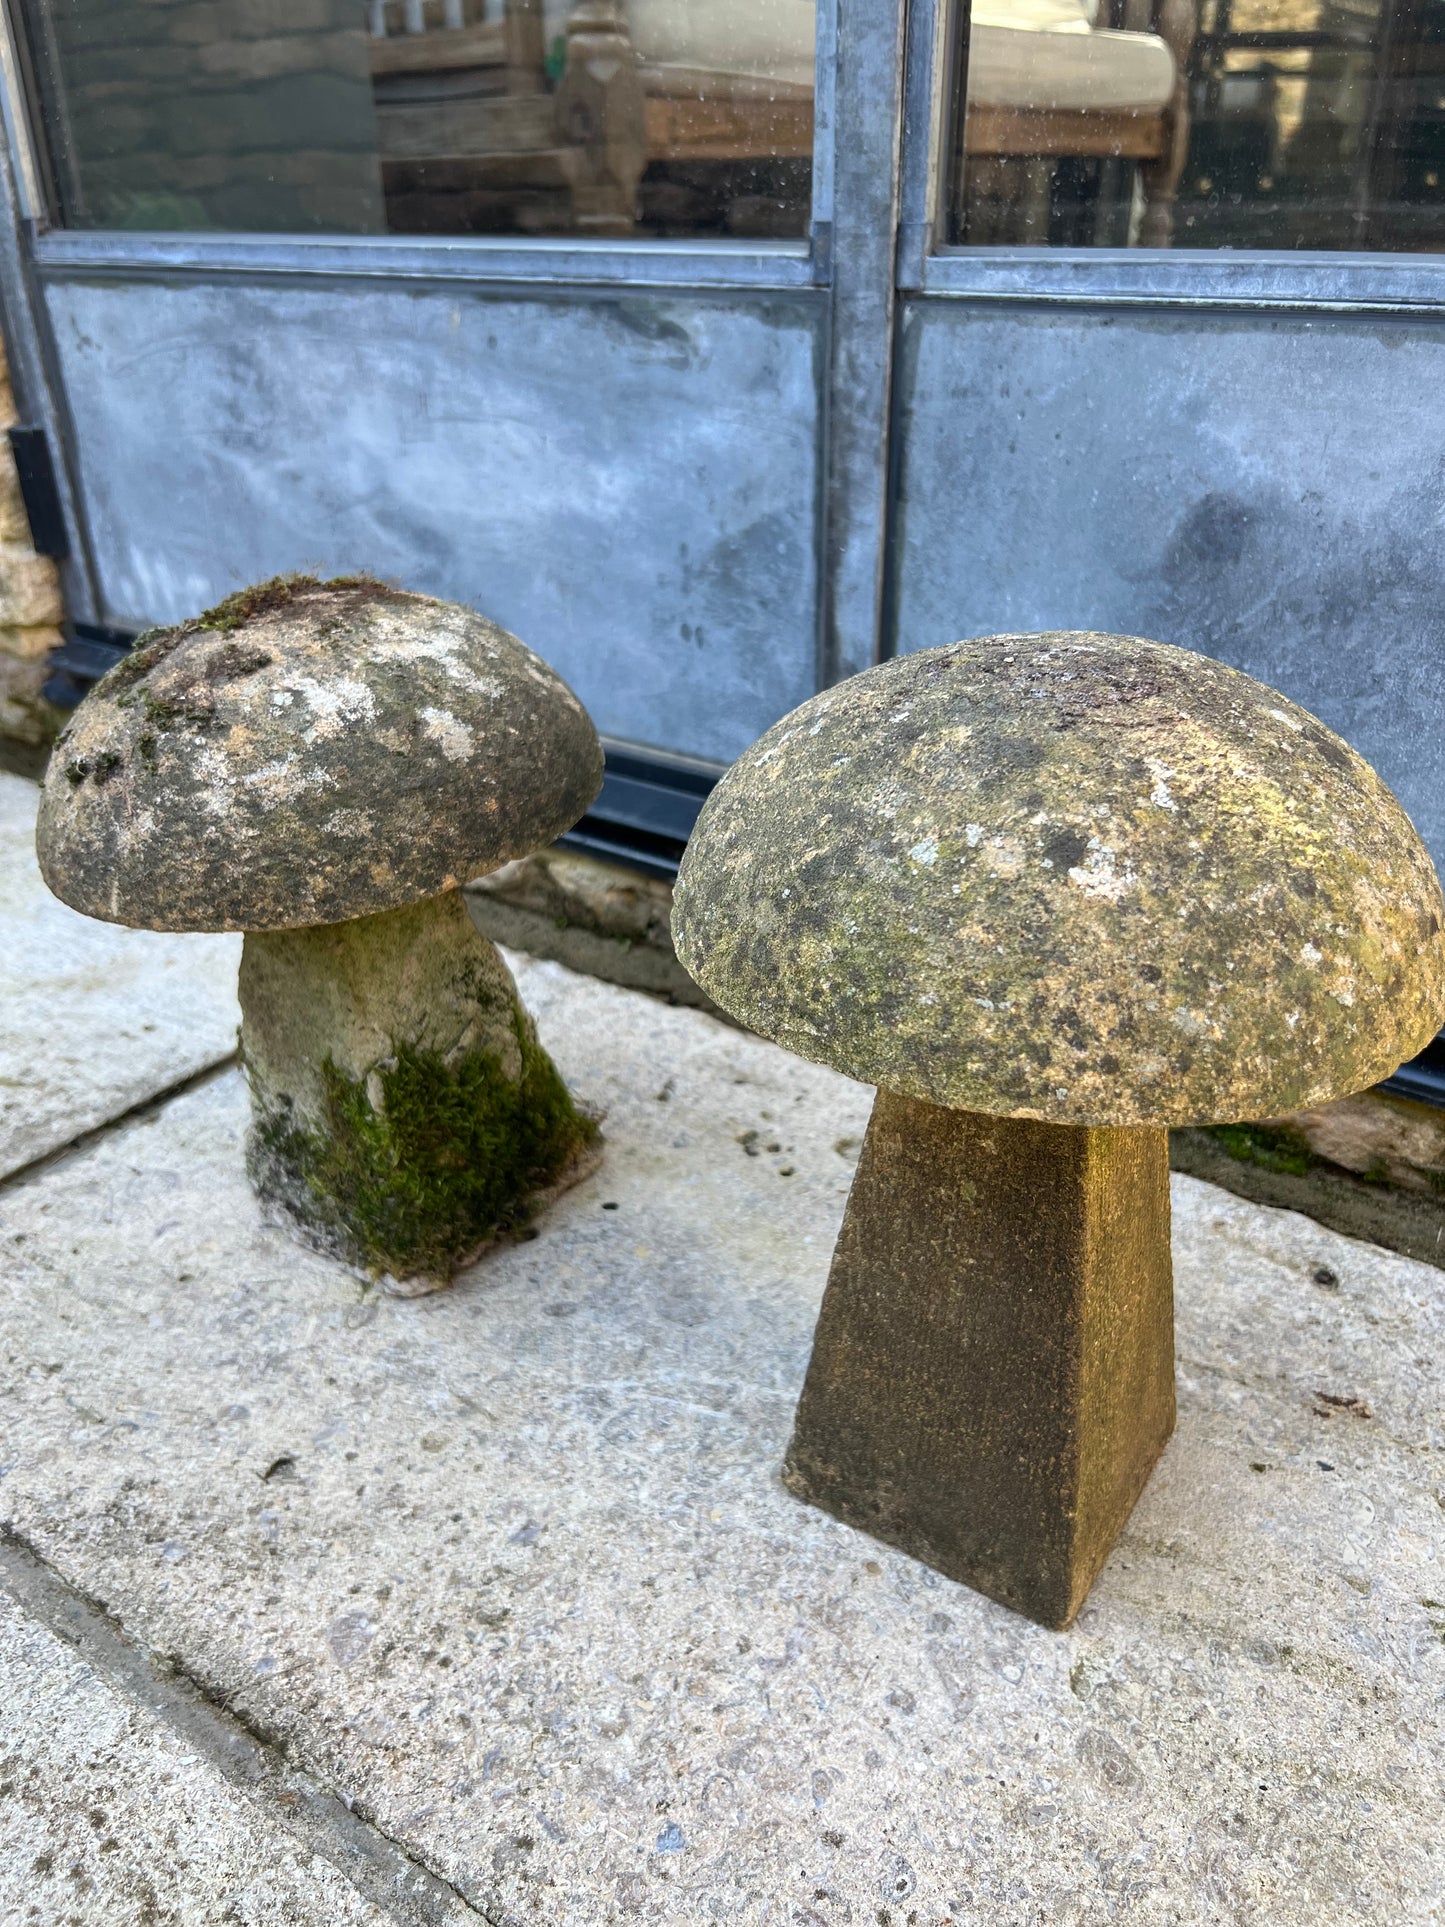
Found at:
[94, 1019]
[510, 1569]
[109, 1816]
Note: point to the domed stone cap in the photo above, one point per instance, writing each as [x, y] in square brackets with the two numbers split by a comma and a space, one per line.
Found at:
[1074, 877]
[306, 753]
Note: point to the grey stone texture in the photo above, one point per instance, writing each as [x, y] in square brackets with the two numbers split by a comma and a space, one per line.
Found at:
[243, 114]
[95, 1019]
[306, 753]
[1083, 878]
[512, 1570]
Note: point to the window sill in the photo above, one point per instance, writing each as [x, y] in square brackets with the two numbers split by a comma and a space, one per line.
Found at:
[483, 260]
[1192, 278]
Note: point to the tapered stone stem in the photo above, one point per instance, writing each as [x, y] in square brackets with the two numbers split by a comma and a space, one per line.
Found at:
[992, 1377]
[403, 1111]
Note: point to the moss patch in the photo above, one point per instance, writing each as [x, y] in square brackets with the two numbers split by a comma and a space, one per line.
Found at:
[262, 597]
[147, 652]
[152, 647]
[450, 1159]
[1276, 1147]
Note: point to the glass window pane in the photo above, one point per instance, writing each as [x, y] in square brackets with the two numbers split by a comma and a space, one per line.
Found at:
[599, 117]
[1202, 123]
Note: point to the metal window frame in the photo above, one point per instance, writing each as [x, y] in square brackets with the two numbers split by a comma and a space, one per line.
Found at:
[1309, 285]
[847, 263]
[1313, 282]
[474, 260]
[848, 260]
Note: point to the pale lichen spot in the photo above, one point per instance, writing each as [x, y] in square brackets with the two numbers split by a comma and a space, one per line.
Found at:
[1309, 954]
[334, 704]
[348, 823]
[285, 778]
[1161, 796]
[452, 737]
[1193, 1023]
[1004, 856]
[1097, 876]
[925, 852]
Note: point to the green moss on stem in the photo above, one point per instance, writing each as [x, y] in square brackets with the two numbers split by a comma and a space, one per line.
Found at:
[451, 1157]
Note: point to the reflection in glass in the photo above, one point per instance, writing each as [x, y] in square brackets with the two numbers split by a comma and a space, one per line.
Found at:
[1203, 123]
[600, 117]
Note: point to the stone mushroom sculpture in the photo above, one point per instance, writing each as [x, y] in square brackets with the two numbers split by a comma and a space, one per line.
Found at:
[320, 765]
[1051, 894]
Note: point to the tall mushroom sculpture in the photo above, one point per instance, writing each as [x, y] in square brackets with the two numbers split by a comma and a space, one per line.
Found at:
[1051, 894]
[321, 765]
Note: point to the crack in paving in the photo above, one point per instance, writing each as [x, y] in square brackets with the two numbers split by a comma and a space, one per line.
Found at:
[133, 1114]
[381, 1869]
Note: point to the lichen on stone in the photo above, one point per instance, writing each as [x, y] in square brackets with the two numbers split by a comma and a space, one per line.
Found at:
[451, 1158]
[306, 752]
[1083, 878]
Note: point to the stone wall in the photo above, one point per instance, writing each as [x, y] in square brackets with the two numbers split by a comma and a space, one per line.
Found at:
[30, 613]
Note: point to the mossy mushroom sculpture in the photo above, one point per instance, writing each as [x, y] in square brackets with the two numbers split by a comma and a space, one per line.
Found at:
[1051, 894]
[321, 764]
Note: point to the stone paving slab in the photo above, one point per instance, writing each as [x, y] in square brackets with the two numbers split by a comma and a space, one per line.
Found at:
[107, 1817]
[94, 1019]
[511, 1567]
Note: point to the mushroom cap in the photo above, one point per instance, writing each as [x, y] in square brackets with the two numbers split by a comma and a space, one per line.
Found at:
[1075, 877]
[306, 753]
